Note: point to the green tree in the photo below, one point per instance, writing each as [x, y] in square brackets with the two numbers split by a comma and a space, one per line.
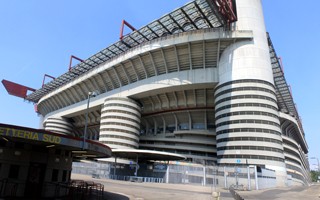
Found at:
[314, 175]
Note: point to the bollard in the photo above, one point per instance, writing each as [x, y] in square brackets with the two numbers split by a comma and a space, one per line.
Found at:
[216, 195]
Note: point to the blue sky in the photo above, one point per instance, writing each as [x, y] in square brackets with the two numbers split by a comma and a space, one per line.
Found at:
[38, 37]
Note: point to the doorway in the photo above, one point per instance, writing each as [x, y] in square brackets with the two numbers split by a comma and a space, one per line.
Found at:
[35, 180]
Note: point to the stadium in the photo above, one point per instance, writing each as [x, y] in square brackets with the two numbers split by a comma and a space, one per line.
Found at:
[203, 81]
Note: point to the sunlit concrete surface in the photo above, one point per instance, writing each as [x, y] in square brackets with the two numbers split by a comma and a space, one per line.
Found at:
[123, 190]
[286, 193]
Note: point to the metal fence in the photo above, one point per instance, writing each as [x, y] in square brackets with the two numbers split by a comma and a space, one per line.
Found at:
[242, 177]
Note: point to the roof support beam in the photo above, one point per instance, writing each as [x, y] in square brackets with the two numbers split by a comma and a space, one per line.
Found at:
[87, 89]
[175, 97]
[153, 64]
[195, 97]
[190, 120]
[152, 31]
[62, 101]
[66, 98]
[177, 57]
[134, 69]
[185, 97]
[84, 95]
[143, 35]
[75, 94]
[73, 57]
[110, 79]
[190, 20]
[117, 75]
[144, 68]
[164, 60]
[203, 15]
[176, 121]
[204, 54]
[160, 103]
[95, 83]
[124, 22]
[164, 27]
[102, 81]
[152, 103]
[205, 96]
[176, 22]
[218, 53]
[166, 96]
[105, 54]
[51, 107]
[125, 72]
[190, 57]
[56, 102]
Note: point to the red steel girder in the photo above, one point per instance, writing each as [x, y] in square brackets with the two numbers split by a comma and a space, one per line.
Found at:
[124, 22]
[44, 78]
[73, 57]
[226, 9]
[16, 89]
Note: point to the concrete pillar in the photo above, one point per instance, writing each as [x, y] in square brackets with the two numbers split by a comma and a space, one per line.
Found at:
[225, 178]
[249, 179]
[256, 177]
[167, 174]
[204, 176]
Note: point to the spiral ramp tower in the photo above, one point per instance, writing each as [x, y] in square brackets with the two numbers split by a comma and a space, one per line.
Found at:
[120, 123]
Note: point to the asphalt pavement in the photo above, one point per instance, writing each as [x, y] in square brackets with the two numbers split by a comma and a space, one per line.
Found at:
[124, 190]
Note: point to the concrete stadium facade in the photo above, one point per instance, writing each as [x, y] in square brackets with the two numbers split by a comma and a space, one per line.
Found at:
[212, 94]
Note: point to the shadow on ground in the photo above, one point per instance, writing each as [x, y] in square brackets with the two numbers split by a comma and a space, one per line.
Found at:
[113, 196]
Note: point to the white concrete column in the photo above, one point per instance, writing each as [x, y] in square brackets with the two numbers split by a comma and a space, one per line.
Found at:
[249, 179]
[247, 59]
[120, 123]
[58, 125]
[204, 176]
[256, 177]
[167, 174]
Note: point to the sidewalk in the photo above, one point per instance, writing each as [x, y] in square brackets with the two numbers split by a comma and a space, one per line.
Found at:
[285, 193]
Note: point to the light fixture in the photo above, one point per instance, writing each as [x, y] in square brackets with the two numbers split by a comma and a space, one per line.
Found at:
[49, 146]
[17, 153]
[5, 139]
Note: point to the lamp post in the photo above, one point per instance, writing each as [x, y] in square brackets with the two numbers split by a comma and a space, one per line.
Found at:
[317, 161]
[90, 94]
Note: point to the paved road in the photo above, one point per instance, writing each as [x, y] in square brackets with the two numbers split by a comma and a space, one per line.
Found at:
[124, 190]
[286, 193]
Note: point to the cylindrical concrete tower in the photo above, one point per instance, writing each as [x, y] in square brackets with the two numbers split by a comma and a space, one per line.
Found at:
[246, 111]
[120, 123]
[58, 125]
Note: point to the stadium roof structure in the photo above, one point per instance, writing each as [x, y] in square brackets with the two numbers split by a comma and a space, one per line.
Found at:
[146, 155]
[283, 92]
[198, 14]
